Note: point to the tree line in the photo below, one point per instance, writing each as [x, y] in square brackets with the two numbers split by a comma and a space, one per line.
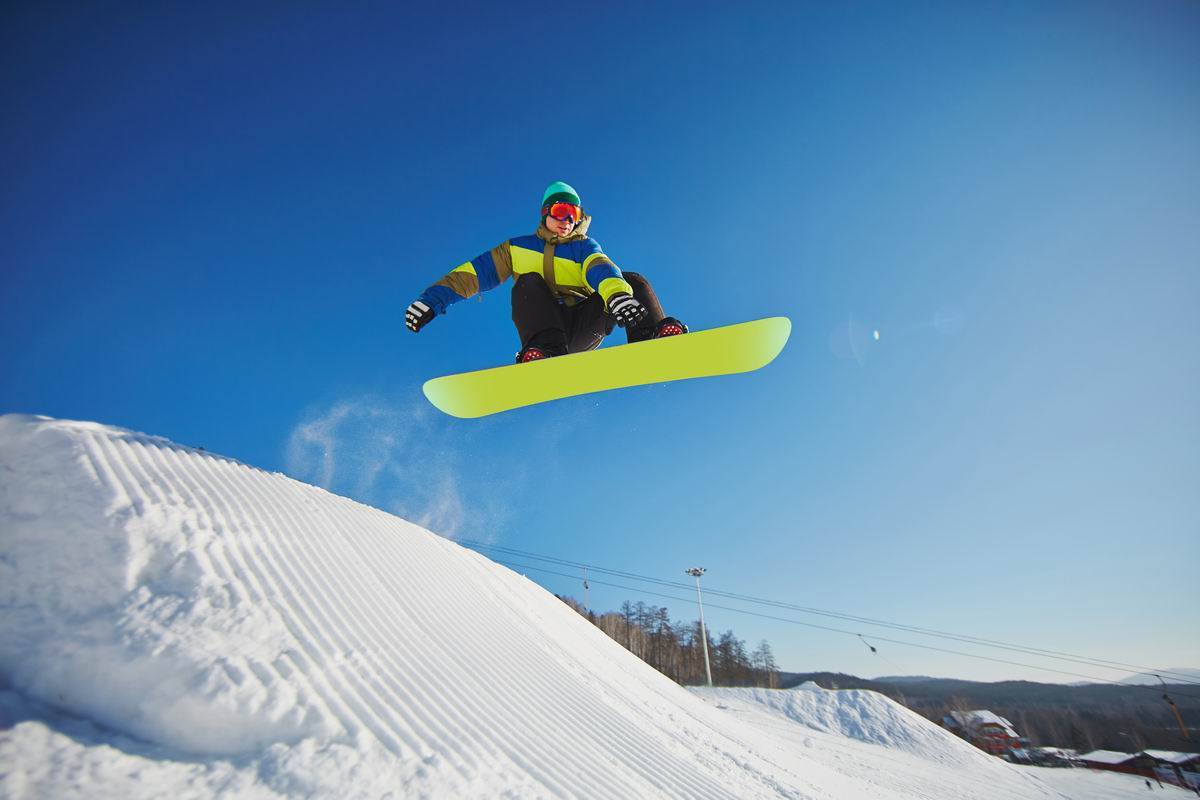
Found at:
[676, 648]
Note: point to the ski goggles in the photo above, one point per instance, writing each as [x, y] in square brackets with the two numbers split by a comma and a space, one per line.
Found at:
[563, 212]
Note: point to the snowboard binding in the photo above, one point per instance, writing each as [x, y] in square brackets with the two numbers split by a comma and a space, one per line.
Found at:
[669, 326]
[536, 353]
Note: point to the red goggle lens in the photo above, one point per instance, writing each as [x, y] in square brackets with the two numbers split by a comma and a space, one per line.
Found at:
[565, 212]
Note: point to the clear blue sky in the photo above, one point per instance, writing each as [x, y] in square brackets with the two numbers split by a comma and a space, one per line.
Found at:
[212, 218]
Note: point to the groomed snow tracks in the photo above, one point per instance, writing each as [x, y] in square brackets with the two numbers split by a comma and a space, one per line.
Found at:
[287, 614]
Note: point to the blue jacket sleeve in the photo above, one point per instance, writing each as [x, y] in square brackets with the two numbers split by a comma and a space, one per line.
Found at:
[482, 273]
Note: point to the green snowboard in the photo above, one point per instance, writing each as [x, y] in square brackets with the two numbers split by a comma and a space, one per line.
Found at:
[743, 347]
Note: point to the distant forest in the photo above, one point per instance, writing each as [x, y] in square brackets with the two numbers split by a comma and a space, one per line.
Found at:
[1084, 718]
[675, 648]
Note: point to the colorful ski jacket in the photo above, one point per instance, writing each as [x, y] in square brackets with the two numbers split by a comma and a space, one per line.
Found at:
[573, 266]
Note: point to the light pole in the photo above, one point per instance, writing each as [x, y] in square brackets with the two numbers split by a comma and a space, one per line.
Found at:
[696, 572]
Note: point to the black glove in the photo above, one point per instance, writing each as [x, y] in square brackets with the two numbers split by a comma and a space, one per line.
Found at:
[628, 311]
[418, 315]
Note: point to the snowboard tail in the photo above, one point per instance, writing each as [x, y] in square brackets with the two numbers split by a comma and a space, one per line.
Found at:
[728, 350]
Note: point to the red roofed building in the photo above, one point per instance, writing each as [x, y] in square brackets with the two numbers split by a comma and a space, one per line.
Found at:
[987, 731]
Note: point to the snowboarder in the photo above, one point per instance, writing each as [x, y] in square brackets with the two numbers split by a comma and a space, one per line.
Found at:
[567, 295]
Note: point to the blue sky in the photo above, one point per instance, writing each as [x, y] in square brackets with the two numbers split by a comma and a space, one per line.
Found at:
[213, 217]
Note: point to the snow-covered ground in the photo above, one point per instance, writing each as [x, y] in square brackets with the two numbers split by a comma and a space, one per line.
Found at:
[175, 623]
[860, 732]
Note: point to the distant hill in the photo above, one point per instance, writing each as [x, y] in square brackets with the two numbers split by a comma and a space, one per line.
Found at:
[1088, 717]
[1151, 679]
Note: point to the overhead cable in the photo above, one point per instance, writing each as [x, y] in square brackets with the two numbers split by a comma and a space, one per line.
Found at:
[1090, 678]
[966, 639]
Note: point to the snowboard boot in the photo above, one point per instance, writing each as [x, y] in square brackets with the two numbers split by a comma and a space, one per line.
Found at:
[669, 326]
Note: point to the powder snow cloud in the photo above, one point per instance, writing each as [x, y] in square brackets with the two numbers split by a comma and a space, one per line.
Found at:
[394, 458]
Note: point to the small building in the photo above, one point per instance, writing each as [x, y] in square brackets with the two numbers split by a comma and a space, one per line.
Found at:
[1141, 764]
[1110, 760]
[1181, 769]
[989, 732]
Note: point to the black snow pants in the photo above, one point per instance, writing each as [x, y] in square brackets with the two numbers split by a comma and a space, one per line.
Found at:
[545, 322]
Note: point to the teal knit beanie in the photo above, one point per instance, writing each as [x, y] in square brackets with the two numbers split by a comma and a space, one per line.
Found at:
[560, 191]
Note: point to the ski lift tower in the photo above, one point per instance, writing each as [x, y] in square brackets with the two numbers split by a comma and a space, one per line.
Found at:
[696, 572]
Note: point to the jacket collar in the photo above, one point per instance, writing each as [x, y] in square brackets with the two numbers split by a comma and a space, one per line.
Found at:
[578, 234]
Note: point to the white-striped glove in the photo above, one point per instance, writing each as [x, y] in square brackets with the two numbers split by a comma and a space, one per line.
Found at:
[627, 310]
[418, 315]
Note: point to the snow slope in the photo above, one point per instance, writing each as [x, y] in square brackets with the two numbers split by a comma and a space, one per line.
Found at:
[865, 734]
[175, 622]
[860, 715]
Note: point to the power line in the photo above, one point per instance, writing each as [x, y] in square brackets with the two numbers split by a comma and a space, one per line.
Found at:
[1059, 655]
[1040, 652]
[1091, 678]
[1093, 662]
